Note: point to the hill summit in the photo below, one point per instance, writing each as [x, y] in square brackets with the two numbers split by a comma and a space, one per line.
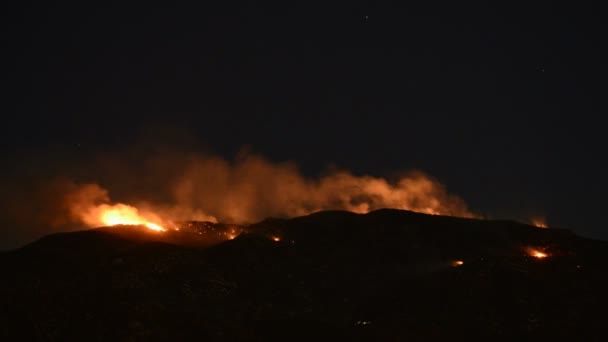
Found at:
[385, 275]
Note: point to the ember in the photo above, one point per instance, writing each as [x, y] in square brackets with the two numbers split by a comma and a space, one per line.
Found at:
[539, 222]
[232, 234]
[537, 253]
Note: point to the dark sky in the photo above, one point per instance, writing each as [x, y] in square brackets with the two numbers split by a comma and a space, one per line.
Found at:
[504, 105]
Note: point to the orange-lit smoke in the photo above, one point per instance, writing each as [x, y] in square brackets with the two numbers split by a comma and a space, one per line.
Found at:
[86, 204]
[252, 189]
[537, 253]
[539, 222]
[120, 214]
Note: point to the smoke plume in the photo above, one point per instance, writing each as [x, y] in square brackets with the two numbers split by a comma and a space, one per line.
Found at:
[252, 188]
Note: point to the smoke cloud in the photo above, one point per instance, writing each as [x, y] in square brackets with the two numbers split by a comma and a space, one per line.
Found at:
[251, 188]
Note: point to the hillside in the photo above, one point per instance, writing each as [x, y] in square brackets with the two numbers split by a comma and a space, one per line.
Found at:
[388, 275]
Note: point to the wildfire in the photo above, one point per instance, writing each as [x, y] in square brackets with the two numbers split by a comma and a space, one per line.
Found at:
[252, 189]
[457, 263]
[539, 222]
[121, 214]
[90, 204]
[535, 253]
[276, 239]
[232, 234]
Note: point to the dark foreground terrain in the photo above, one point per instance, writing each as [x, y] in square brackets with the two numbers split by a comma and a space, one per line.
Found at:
[386, 276]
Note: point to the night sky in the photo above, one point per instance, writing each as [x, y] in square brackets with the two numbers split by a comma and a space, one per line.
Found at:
[503, 105]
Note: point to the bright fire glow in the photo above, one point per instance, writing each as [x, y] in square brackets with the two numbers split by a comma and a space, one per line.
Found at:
[122, 214]
[276, 238]
[90, 204]
[539, 222]
[232, 234]
[537, 253]
[252, 189]
[457, 263]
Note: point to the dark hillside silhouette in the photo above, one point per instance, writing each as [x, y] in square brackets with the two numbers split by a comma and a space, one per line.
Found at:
[388, 275]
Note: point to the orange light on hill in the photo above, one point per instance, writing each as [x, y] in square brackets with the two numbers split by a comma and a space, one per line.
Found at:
[122, 214]
[539, 222]
[457, 263]
[535, 253]
[276, 239]
[232, 234]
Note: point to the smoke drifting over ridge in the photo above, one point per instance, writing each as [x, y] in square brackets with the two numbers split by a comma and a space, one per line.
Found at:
[252, 188]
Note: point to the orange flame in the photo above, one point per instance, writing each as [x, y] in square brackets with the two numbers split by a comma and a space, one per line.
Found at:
[539, 222]
[84, 205]
[252, 189]
[537, 253]
[122, 214]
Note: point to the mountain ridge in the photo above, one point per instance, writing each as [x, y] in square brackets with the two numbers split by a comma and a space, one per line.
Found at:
[384, 275]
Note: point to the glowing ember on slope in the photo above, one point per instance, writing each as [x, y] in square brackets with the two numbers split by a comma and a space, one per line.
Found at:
[539, 222]
[457, 263]
[232, 234]
[535, 253]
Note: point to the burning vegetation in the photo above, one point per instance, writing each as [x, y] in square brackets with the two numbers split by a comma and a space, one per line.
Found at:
[537, 253]
[122, 214]
[252, 189]
[359, 257]
[89, 205]
[539, 222]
